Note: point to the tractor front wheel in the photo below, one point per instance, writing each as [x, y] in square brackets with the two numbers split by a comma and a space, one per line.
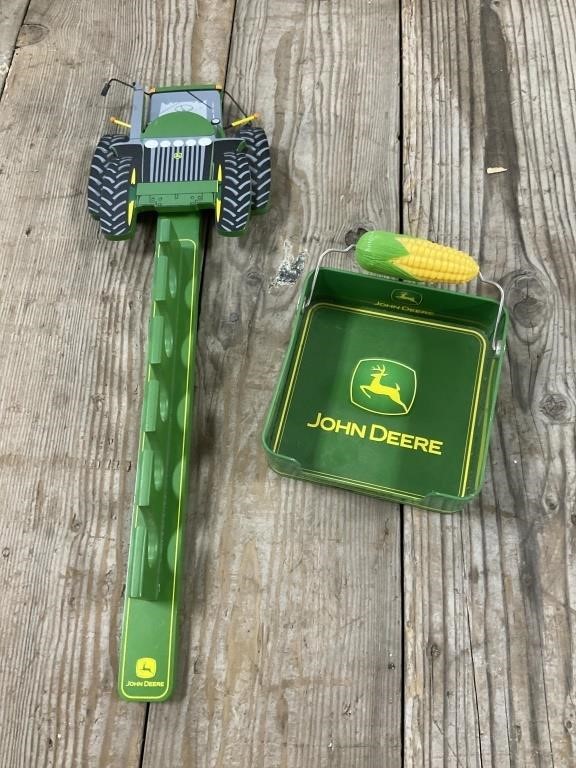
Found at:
[258, 151]
[114, 211]
[233, 207]
[103, 153]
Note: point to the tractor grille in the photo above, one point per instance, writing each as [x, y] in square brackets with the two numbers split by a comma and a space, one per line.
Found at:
[177, 159]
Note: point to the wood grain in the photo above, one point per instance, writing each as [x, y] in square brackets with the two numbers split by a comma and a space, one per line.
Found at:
[292, 639]
[292, 633]
[490, 593]
[73, 319]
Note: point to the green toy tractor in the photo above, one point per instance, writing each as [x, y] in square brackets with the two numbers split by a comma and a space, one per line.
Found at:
[178, 158]
[179, 161]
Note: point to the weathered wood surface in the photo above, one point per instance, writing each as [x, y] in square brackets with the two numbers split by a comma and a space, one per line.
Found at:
[490, 595]
[292, 645]
[293, 626]
[73, 318]
[12, 13]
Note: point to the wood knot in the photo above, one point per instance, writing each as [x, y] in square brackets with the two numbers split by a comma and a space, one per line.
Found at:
[353, 235]
[253, 279]
[30, 34]
[75, 524]
[555, 407]
[528, 299]
[435, 651]
[551, 503]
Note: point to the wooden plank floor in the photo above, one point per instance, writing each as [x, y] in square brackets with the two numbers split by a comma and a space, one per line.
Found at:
[321, 628]
[490, 595]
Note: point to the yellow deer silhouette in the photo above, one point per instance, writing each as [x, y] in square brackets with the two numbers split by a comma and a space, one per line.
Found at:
[377, 388]
[403, 296]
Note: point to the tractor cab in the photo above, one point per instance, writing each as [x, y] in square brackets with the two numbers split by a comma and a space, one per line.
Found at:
[151, 108]
[206, 104]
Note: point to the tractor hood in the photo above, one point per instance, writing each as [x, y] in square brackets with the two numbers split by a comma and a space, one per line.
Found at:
[176, 124]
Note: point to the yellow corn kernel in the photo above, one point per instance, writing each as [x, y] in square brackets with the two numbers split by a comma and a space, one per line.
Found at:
[431, 262]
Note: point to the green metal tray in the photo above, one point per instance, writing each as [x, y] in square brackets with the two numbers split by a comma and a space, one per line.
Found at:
[388, 388]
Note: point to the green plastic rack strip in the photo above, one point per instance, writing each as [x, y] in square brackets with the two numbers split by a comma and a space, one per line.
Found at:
[149, 632]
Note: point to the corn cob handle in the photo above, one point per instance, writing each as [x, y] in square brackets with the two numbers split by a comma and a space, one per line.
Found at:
[412, 258]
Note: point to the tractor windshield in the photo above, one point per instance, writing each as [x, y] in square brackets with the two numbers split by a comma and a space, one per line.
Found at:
[207, 104]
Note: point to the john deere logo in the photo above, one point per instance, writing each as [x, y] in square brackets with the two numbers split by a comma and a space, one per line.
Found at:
[407, 297]
[177, 155]
[145, 667]
[383, 386]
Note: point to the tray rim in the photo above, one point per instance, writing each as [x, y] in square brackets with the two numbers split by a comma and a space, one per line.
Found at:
[301, 332]
[288, 466]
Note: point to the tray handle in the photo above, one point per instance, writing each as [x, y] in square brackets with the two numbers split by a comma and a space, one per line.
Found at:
[412, 258]
[304, 303]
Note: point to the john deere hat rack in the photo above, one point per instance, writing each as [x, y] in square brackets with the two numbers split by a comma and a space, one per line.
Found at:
[179, 160]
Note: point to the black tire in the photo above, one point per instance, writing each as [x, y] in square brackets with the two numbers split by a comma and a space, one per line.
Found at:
[103, 153]
[114, 199]
[235, 194]
[258, 151]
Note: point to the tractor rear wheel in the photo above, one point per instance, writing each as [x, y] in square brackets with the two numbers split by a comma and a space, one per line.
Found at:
[258, 151]
[115, 198]
[103, 153]
[235, 195]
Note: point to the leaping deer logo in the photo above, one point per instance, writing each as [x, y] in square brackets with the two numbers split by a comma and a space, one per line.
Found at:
[404, 296]
[382, 390]
[145, 667]
[407, 297]
[383, 386]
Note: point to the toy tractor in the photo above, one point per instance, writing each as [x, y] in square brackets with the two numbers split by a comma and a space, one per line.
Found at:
[179, 161]
[177, 158]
